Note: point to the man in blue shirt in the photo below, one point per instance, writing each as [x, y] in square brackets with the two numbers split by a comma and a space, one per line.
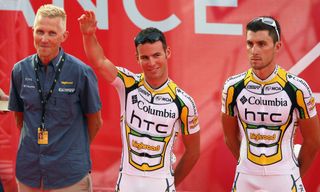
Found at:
[56, 104]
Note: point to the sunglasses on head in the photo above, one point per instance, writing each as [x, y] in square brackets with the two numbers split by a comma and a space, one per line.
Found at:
[271, 22]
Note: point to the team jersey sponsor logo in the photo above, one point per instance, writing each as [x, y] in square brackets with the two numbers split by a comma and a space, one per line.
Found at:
[141, 145]
[301, 81]
[163, 98]
[194, 122]
[144, 92]
[67, 82]
[157, 112]
[254, 87]
[262, 137]
[311, 104]
[262, 116]
[66, 90]
[189, 98]
[147, 125]
[28, 79]
[272, 89]
[265, 135]
[235, 77]
[255, 100]
[29, 86]
[134, 99]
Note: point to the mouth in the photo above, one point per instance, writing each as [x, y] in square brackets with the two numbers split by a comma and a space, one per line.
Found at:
[255, 59]
[44, 47]
[153, 70]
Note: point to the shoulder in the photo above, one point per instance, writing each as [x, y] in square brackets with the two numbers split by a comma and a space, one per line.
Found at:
[125, 73]
[235, 79]
[27, 61]
[75, 62]
[23, 66]
[76, 65]
[185, 98]
[299, 84]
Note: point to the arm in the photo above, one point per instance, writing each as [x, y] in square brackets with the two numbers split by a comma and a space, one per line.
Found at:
[19, 119]
[94, 123]
[189, 158]
[231, 134]
[310, 131]
[93, 49]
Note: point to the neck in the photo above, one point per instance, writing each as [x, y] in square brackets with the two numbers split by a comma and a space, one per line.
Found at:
[157, 84]
[45, 60]
[263, 74]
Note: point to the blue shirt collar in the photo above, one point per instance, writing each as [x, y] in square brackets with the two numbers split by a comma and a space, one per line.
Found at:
[54, 62]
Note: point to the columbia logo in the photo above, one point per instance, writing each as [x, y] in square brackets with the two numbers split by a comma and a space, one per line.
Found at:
[134, 99]
[243, 99]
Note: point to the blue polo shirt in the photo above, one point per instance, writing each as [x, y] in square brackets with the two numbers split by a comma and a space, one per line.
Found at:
[65, 160]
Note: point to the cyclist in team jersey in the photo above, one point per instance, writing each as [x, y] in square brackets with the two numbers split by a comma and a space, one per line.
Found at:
[153, 110]
[261, 109]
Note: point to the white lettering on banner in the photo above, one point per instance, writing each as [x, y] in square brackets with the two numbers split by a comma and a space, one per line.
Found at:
[101, 11]
[19, 5]
[142, 22]
[58, 3]
[201, 25]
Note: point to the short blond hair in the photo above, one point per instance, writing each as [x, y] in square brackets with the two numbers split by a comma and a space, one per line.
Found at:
[52, 11]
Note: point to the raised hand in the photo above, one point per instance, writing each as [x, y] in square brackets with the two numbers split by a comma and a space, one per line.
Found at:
[88, 23]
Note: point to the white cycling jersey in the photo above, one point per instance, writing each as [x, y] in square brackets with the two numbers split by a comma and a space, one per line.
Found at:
[267, 113]
[150, 121]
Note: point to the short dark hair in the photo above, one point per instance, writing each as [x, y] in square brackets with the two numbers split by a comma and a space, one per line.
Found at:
[150, 35]
[265, 23]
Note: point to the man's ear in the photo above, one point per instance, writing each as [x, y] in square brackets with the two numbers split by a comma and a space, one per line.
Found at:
[168, 52]
[65, 36]
[278, 46]
[137, 57]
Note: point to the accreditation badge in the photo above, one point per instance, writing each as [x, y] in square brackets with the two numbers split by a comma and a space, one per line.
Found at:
[43, 136]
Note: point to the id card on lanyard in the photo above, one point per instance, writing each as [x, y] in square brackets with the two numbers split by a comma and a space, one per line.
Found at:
[43, 136]
[43, 133]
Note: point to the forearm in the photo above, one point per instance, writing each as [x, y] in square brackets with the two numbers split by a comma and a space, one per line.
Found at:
[307, 154]
[19, 119]
[93, 50]
[310, 130]
[93, 132]
[96, 56]
[234, 147]
[231, 132]
[94, 124]
[184, 166]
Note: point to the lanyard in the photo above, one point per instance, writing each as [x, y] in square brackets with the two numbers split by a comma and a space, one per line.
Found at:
[40, 91]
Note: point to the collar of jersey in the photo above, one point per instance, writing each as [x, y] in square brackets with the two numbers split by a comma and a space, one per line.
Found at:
[277, 74]
[167, 87]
